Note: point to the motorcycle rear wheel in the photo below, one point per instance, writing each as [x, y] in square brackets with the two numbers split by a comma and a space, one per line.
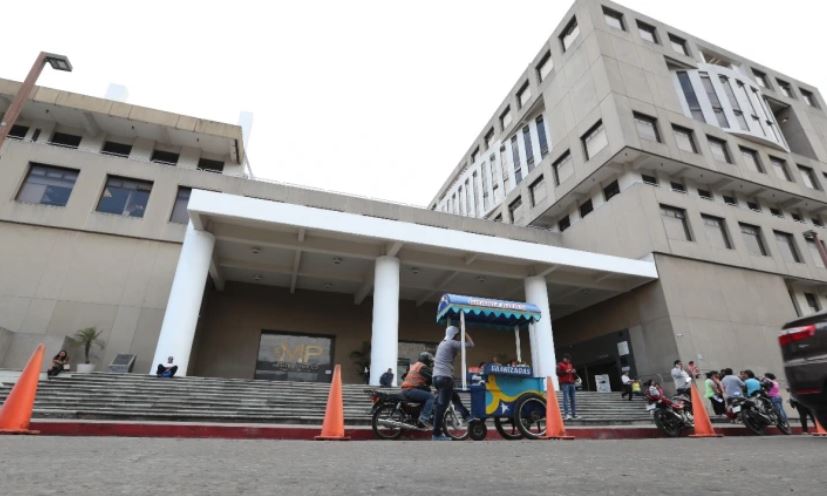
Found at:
[752, 422]
[454, 425]
[667, 423]
[387, 412]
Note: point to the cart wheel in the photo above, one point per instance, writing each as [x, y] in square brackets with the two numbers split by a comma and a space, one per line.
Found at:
[507, 428]
[477, 430]
[530, 416]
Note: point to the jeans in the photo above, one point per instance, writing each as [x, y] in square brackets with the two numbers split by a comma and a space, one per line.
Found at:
[421, 396]
[778, 404]
[445, 393]
[568, 397]
[164, 372]
[627, 390]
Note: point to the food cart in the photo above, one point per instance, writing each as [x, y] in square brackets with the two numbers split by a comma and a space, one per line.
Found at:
[510, 394]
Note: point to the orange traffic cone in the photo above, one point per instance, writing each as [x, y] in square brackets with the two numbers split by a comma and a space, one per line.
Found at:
[555, 429]
[333, 428]
[703, 426]
[17, 409]
[820, 432]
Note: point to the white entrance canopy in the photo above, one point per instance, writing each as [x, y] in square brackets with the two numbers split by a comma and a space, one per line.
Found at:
[235, 238]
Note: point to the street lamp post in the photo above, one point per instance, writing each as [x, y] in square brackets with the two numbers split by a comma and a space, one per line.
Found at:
[58, 62]
[813, 236]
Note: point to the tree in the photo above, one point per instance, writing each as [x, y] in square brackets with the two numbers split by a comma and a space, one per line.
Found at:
[87, 338]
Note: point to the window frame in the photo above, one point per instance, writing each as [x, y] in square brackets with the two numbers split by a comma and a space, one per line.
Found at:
[128, 199]
[722, 145]
[679, 130]
[677, 40]
[26, 186]
[546, 59]
[652, 122]
[589, 136]
[569, 34]
[720, 226]
[616, 16]
[679, 214]
[644, 27]
[758, 236]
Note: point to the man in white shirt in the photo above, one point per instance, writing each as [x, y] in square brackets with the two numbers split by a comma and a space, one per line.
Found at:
[167, 369]
[681, 377]
[626, 381]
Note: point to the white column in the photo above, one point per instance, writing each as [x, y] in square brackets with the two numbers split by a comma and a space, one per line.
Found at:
[544, 361]
[384, 341]
[181, 314]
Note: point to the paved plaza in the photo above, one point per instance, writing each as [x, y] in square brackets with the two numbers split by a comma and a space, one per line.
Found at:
[180, 467]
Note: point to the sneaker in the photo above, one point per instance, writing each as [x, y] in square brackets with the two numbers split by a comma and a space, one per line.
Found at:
[426, 423]
[575, 417]
[441, 437]
[568, 417]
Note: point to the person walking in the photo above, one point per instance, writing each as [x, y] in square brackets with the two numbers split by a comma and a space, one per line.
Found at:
[714, 393]
[626, 382]
[446, 352]
[774, 394]
[567, 376]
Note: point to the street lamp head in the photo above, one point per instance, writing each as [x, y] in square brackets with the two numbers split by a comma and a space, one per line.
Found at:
[59, 62]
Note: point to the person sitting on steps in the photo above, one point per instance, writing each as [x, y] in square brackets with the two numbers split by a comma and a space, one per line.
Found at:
[59, 363]
[168, 369]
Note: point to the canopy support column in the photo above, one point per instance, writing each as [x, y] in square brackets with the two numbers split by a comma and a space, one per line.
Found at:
[542, 338]
[517, 340]
[384, 351]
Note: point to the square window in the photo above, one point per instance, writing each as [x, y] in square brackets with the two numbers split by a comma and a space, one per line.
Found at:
[569, 33]
[586, 208]
[64, 139]
[808, 177]
[505, 118]
[545, 66]
[541, 135]
[704, 194]
[489, 138]
[776, 212]
[515, 209]
[787, 247]
[47, 185]
[797, 217]
[18, 132]
[812, 302]
[685, 139]
[730, 200]
[647, 32]
[760, 78]
[753, 240]
[675, 223]
[754, 206]
[650, 180]
[563, 168]
[116, 149]
[612, 190]
[815, 254]
[179, 209]
[614, 18]
[716, 231]
[784, 88]
[164, 157]
[647, 127]
[751, 159]
[564, 223]
[678, 44]
[817, 222]
[538, 191]
[594, 140]
[678, 187]
[208, 165]
[809, 98]
[719, 149]
[780, 168]
[125, 196]
[474, 155]
[524, 94]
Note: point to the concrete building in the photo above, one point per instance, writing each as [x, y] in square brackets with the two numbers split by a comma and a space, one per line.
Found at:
[627, 136]
[621, 187]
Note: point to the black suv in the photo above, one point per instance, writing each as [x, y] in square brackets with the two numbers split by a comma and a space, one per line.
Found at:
[804, 349]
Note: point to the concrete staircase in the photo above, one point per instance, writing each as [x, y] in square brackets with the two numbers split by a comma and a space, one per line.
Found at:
[136, 397]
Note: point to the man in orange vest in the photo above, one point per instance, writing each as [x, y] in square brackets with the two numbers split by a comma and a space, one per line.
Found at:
[416, 387]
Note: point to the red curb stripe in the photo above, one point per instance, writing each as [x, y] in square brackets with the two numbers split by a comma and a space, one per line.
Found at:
[174, 430]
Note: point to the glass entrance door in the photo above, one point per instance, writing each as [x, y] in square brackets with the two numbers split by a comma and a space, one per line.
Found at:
[294, 357]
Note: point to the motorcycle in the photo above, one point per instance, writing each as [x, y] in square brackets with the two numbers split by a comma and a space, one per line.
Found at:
[757, 413]
[392, 415]
[672, 417]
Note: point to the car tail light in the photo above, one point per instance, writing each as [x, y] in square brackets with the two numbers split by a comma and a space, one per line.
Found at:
[805, 391]
[797, 334]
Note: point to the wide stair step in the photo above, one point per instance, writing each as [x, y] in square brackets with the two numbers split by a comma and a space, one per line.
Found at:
[202, 399]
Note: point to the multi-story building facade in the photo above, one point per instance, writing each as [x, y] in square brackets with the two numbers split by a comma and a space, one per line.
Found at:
[630, 137]
[652, 193]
